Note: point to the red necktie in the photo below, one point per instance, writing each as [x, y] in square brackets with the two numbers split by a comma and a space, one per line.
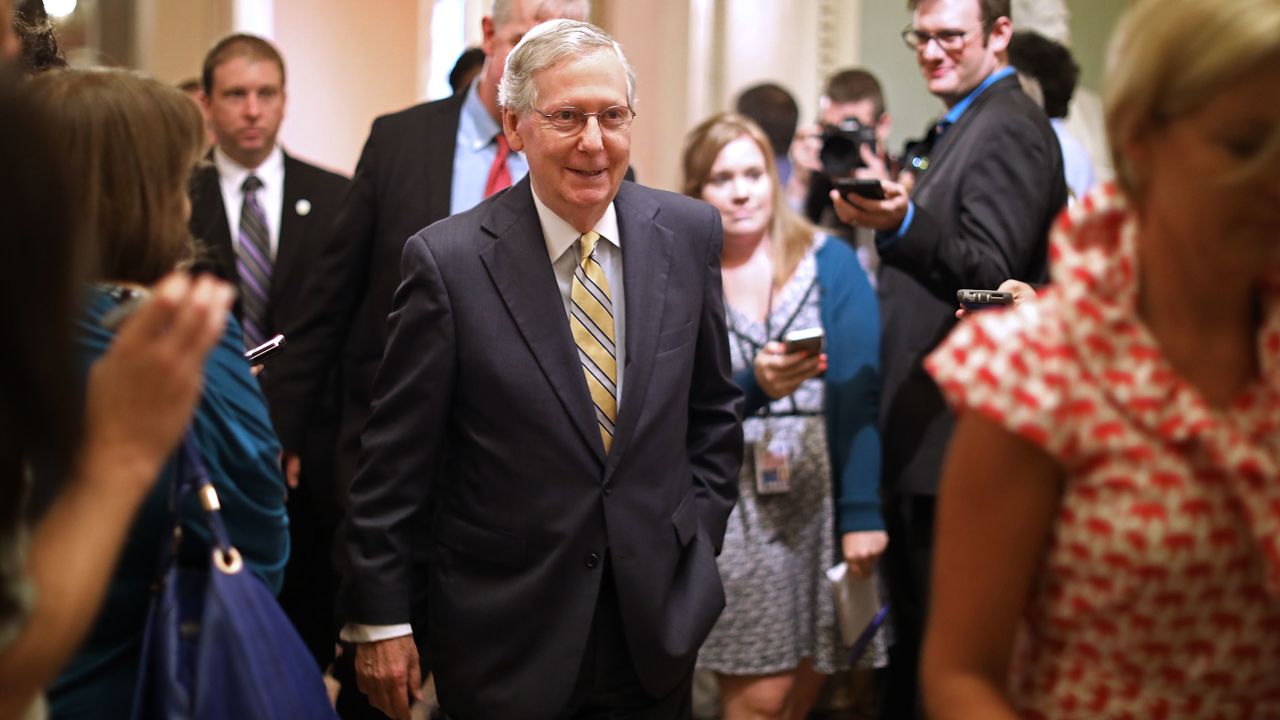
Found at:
[499, 174]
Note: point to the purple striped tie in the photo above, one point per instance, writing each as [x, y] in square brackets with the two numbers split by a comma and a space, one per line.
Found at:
[253, 264]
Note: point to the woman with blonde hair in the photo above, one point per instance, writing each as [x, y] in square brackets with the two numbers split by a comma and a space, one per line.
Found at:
[1109, 521]
[812, 468]
[132, 141]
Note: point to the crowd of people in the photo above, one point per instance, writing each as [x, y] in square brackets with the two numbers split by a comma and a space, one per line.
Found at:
[555, 439]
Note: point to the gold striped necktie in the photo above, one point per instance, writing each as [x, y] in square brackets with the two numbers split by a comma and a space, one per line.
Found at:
[592, 322]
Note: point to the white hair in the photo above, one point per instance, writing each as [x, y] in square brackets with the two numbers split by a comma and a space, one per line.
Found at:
[546, 46]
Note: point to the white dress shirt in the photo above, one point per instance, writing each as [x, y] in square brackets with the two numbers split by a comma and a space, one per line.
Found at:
[231, 175]
[562, 251]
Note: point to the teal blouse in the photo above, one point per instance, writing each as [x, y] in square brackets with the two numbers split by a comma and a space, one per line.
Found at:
[240, 450]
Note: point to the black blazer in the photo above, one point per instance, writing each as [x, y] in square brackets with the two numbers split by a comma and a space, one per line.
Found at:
[296, 261]
[403, 183]
[482, 416]
[983, 211]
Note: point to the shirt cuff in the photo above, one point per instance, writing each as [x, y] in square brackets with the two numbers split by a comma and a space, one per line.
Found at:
[356, 633]
[887, 238]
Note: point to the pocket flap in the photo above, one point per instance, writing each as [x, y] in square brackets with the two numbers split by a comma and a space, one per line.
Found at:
[685, 519]
[481, 543]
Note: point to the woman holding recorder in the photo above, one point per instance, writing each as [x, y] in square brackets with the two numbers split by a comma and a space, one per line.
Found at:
[133, 141]
[1118, 437]
[811, 473]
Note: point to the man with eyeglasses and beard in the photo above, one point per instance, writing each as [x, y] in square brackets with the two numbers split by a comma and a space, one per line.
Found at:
[553, 449]
[978, 215]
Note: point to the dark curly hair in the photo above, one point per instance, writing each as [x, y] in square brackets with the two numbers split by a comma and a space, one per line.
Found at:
[40, 50]
[1051, 64]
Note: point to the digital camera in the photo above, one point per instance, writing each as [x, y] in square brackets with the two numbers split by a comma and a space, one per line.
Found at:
[842, 143]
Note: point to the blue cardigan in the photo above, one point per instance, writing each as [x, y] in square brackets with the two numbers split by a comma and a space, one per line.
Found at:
[241, 452]
[851, 320]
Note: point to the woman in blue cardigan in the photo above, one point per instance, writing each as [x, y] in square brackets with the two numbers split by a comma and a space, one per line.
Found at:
[811, 475]
[134, 141]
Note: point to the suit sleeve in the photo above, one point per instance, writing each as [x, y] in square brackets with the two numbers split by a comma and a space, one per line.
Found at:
[333, 291]
[715, 404]
[402, 443]
[1003, 202]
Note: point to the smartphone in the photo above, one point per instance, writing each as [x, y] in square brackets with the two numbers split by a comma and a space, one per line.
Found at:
[265, 351]
[130, 301]
[868, 188]
[808, 341]
[982, 299]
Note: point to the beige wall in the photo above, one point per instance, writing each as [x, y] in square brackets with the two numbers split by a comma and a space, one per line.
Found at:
[172, 37]
[693, 56]
[348, 63]
[655, 35]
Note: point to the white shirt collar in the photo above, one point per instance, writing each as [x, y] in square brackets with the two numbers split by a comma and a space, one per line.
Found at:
[271, 169]
[560, 235]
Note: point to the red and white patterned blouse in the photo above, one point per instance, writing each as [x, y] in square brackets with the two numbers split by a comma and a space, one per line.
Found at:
[1159, 593]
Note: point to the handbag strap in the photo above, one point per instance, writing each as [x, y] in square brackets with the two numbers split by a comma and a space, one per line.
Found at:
[191, 476]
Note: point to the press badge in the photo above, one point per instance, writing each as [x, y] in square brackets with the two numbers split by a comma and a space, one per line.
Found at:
[773, 470]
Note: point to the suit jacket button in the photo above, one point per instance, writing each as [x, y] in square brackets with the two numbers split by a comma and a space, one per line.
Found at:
[592, 560]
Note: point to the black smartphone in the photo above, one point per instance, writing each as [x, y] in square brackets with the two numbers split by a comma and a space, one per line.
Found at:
[265, 351]
[868, 188]
[981, 299]
[808, 341]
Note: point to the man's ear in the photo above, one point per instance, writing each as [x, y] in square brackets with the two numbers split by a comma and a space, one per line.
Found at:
[884, 128]
[1000, 35]
[487, 35]
[511, 128]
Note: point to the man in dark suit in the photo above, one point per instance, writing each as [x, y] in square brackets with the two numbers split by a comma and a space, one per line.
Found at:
[554, 443]
[979, 215]
[260, 214]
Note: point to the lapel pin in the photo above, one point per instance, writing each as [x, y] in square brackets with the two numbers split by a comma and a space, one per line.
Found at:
[303, 207]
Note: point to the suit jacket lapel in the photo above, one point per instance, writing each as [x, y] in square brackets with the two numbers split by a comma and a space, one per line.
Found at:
[438, 163]
[209, 222]
[952, 136]
[293, 225]
[516, 258]
[646, 259]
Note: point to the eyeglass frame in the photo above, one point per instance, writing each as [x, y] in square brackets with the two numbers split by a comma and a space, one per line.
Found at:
[586, 116]
[911, 37]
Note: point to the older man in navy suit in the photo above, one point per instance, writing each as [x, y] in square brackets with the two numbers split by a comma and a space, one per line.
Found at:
[554, 443]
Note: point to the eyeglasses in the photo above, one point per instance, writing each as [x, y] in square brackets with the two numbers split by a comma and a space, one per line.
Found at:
[948, 40]
[570, 120]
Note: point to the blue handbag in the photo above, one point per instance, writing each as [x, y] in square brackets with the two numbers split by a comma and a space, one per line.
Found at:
[217, 645]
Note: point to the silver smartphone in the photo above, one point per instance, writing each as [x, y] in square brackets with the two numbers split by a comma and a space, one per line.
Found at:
[809, 341]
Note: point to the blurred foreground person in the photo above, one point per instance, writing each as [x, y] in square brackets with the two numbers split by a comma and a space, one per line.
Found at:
[138, 399]
[133, 142]
[1109, 523]
[811, 472]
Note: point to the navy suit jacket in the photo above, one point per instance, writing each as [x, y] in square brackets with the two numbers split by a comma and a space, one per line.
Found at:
[482, 457]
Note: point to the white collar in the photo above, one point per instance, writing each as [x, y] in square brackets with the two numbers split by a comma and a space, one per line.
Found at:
[560, 235]
[235, 173]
